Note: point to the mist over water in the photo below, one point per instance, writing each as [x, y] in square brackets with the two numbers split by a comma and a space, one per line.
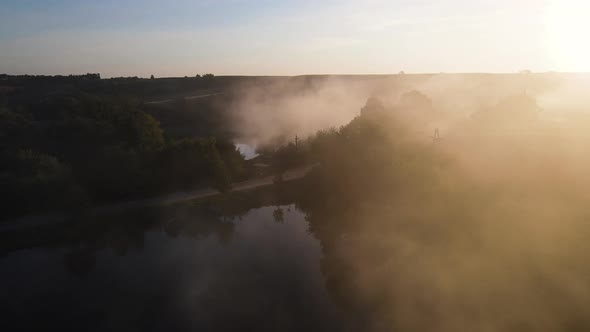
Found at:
[274, 114]
[147, 183]
[184, 273]
[484, 229]
[246, 150]
[434, 203]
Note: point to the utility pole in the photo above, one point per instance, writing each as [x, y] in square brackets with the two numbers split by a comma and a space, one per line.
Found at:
[296, 142]
[436, 136]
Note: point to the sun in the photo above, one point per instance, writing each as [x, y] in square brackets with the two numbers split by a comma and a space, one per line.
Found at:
[568, 28]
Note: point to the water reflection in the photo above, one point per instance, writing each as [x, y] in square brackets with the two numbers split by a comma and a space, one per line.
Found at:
[248, 151]
[278, 215]
[179, 271]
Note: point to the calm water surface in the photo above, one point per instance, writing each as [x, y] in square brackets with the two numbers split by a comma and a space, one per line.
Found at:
[257, 272]
[248, 151]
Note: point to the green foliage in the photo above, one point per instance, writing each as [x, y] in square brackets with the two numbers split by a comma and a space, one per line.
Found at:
[13, 126]
[191, 162]
[232, 159]
[32, 181]
[102, 148]
[287, 157]
[484, 224]
[221, 176]
[115, 172]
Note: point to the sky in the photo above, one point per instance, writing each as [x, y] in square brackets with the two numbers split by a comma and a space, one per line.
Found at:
[264, 37]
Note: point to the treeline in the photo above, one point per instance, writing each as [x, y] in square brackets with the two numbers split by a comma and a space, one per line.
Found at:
[487, 223]
[78, 149]
[89, 76]
[25, 88]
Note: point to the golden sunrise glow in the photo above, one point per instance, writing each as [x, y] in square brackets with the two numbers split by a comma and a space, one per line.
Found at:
[567, 35]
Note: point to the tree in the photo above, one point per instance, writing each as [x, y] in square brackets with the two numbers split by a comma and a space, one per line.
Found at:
[219, 172]
[32, 181]
[372, 105]
[416, 100]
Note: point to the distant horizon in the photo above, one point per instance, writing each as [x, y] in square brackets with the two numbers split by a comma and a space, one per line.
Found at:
[303, 75]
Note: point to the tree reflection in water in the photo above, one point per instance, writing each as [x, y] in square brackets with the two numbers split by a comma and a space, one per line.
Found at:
[180, 268]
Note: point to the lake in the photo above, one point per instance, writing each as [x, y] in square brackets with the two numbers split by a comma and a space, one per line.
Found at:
[247, 150]
[260, 271]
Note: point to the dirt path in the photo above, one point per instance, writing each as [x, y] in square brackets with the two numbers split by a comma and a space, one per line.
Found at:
[186, 98]
[166, 199]
[200, 193]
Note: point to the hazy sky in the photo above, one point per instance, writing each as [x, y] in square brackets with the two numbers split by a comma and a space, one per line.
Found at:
[177, 38]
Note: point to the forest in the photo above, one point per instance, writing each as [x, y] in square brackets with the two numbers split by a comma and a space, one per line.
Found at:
[75, 141]
[420, 211]
[417, 231]
[379, 166]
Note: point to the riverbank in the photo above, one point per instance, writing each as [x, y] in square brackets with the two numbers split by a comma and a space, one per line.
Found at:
[181, 196]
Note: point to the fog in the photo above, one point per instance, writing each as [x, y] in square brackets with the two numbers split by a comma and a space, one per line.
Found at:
[275, 112]
[484, 229]
[443, 202]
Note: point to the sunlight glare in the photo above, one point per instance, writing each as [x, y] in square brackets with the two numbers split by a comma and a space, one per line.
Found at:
[567, 29]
